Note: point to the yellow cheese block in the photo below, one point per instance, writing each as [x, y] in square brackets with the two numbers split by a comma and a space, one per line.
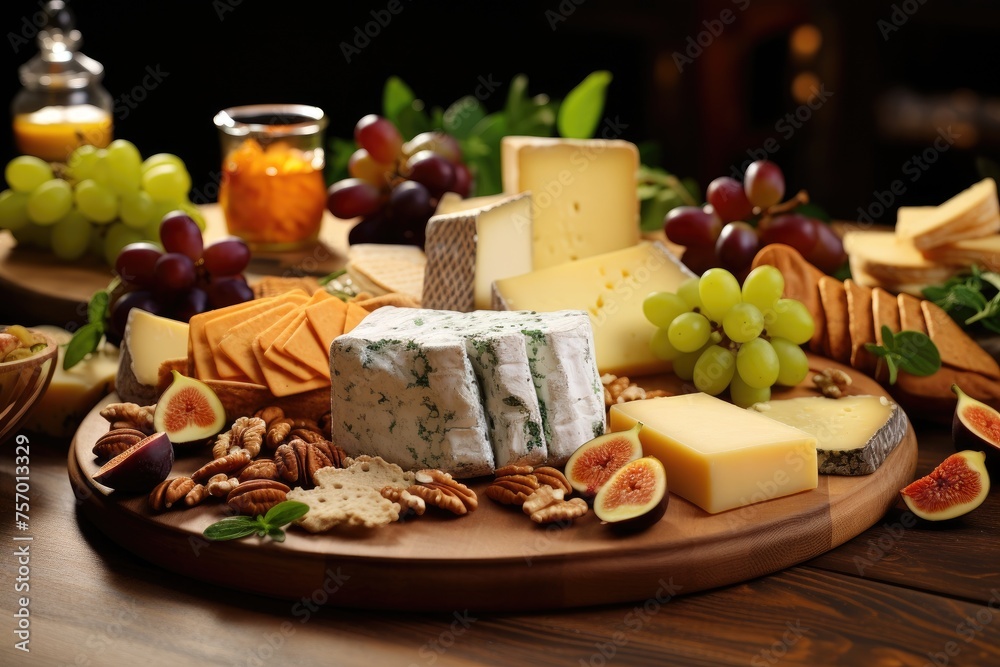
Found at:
[611, 288]
[151, 340]
[719, 456]
[584, 200]
[72, 394]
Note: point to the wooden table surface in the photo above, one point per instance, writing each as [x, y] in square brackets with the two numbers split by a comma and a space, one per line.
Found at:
[899, 594]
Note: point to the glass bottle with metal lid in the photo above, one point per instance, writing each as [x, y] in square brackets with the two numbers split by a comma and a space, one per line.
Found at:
[62, 104]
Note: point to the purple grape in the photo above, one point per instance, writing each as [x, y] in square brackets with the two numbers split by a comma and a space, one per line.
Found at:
[191, 303]
[141, 299]
[228, 291]
[174, 273]
[433, 171]
[179, 233]
[410, 202]
[462, 184]
[228, 257]
[135, 262]
[353, 197]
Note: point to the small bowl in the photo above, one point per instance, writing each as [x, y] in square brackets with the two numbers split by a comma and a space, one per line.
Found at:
[22, 382]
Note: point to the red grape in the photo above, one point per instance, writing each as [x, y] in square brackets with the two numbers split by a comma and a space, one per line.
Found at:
[443, 144]
[700, 258]
[736, 246]
[228, 291]
[134, 264]
[791, 229]
[191, 303]
[828, 254]
[727, 197]
[410, 202]
[463, 181]
[362, 165]
[369, 230]
[141, 299]
[379, 137]
[227, 257]
[179, 233]
[431, 170]
[764, 183]
[174, 272]
[353, 197]
[692, 226]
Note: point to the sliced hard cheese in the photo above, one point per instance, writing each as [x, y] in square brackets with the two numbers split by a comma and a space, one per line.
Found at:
[290, 365]
[854, 434]
[148, 341]
[888, 260]
[719, 456]
[452, 202]
[972, 213]
[983, 252]
[327, 320]
[467, 251]
[303, 345]
[611, 289]
[583, 192]
[236, 344]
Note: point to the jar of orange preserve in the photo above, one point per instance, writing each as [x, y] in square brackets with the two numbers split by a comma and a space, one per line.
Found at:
[273, 193]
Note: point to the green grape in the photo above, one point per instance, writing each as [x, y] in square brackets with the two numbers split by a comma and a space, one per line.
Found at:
[660, 345]
[26, 172]
[763, 287]
[13, 210]
[100, 172]
[34, 236]
[714, 370]
[96, 201]
[757, 363]
[719, 291]
[96, 244]
[683, 365]
[50, 201]
[688, 290]
[124, 166]
[166, 182]
[661, 308]
[136, 209]
[793, 365]
[743, 323]
[744, 395]
[790, 319]
[82, 163]
[689, 331]
[119, 235]
[71, 236]
[161, 158]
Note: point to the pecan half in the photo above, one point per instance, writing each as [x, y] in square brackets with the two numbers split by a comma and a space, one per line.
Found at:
[169, 492]
[256, 496]
[246, 433]
[130, 415]
[440, 489]
[116, 441]
[259, 469]
[548, 505]
[405, 499]
[229, 464]
[298, 461]
[547, 475]
[220, 485]
[270, 414]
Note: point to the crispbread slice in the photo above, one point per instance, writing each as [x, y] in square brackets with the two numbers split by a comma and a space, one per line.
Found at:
[861, 324]
[837, 342]
[801, 279]
[956, 348]
[351, 505]
[911, 317]
[885, 312]
[367, 470]
[391, 268]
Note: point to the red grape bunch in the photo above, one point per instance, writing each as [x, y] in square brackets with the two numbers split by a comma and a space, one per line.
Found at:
[740, 218]
[181, 278]
[395, 185]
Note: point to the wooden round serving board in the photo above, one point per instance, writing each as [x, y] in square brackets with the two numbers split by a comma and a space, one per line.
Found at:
[495, 558]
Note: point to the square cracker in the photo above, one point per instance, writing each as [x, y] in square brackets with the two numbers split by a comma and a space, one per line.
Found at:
[861, 324]
[837, 340]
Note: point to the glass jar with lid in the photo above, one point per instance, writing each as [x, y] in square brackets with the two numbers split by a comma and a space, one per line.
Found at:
[62, 104]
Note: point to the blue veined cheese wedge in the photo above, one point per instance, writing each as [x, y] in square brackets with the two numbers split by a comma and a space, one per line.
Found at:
[499, 360]
[413, 402]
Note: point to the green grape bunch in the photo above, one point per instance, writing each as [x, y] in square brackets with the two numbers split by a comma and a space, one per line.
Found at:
[720, 335]
[96, 203]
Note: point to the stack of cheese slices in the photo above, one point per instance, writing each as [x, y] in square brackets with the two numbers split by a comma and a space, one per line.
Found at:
[930, 243]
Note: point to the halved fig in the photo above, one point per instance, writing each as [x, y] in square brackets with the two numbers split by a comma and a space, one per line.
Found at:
[593, 463]
[976, 426]
[636, 495]
[140, 467]
[189, 412]
[957, 486]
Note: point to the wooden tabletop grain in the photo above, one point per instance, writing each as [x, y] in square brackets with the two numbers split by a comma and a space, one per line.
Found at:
[902, 593]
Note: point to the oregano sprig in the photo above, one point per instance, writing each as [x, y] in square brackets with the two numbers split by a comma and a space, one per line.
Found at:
[910, 351]
[269, 525]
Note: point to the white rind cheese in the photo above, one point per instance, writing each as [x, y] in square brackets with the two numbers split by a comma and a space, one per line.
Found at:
[854, 434]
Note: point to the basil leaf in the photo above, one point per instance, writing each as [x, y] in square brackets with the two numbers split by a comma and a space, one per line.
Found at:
[276, 534]
[284, 513]
[893, 370]
[918, 355]
[396, 96]
[84, 341]
[877, 350]
[887, 337]
[231, 528]
[97, 309]
[581, 110]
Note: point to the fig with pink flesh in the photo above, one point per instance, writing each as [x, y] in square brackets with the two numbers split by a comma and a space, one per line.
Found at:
[140, 467]
[956, 487]
[593, 463]
[189, 412]
[976, 426]
[635, 497]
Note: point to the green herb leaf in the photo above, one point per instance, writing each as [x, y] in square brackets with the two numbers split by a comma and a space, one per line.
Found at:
[97, 309]
[276, 534]
[231, 528]
[396, 96]
[887, 337]
[84, 341]
[893, 370]
[462, 116]
[910, 351]
[284, 513]
[330, 277]
[581, 110]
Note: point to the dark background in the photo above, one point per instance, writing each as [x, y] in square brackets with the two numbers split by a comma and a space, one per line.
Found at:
[892, 89]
